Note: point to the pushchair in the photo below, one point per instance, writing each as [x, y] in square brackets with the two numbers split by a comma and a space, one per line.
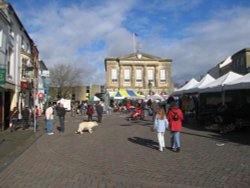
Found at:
[136, 114]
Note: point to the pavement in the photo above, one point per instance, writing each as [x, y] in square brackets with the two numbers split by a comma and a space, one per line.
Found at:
[13, 144]
[123, 154]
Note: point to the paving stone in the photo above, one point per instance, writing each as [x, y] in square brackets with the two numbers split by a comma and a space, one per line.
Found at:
[121, 153]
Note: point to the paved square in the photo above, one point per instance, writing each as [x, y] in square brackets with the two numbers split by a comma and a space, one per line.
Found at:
[121, 153]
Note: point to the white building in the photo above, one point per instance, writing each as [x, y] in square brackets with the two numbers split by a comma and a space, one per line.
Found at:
[15, 60]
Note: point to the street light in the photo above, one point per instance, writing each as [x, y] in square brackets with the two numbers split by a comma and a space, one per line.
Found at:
[150, 86]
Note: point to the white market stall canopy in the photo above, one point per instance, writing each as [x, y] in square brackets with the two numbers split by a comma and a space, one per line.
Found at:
[155, 97]
[207, 79]
[240, 83]
[189, 85]
[218, 84]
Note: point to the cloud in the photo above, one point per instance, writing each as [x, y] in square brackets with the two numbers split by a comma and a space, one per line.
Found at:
[204, 44]
[85, 33]
[69, 34]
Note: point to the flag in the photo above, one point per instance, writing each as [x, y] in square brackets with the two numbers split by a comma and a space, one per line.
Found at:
[135, 35]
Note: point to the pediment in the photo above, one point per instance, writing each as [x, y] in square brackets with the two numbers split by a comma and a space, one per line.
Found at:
[140, 56]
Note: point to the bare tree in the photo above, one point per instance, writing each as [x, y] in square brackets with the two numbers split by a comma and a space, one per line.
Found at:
[63, 77]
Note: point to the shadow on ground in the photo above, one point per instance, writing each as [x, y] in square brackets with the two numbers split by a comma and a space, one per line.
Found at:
[241, 136]
[144, 142]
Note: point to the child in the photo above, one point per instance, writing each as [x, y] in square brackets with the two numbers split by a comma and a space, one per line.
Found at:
[160, 125]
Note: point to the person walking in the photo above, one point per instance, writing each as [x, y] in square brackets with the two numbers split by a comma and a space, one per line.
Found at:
[99, 111]
[175, 117]
[25, 116]
[13, 119]
[160, 125]
[90, 112]
[61, 115]
[155, 107]
[109, 110]
[49, 117]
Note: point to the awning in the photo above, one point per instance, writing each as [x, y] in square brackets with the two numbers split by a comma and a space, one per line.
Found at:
[125, 93]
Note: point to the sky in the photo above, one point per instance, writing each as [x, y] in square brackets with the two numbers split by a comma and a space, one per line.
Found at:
[195, 34]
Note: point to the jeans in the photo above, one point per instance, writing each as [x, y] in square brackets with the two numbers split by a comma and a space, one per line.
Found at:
[175, 139]
[161, 140]
[99, 118]
[61, 121]
[25, 123]
[49, 125]
[90, 118]
[14, 124]
[109, 111]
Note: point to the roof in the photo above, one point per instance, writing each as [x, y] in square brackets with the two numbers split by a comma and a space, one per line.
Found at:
[136, 57]
[42, 65]
[226, 62]
[18, 20]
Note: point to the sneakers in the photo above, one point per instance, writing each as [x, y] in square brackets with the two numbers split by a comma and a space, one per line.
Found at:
[178, 149]
[173, 149]
[50, 133]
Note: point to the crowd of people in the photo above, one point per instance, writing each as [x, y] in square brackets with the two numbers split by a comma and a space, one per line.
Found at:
[165, 115]
[24, 117]
[81, 109]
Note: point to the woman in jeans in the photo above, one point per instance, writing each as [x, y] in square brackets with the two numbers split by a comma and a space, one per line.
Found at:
[49, 115]
[175, 117]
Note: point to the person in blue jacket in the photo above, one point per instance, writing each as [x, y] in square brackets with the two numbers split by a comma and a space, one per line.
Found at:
[160, 126]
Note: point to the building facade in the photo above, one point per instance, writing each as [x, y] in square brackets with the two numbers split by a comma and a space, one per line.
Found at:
[77, 93]
[139, 71]
[238, 63]
[18, 64]
[40, 93]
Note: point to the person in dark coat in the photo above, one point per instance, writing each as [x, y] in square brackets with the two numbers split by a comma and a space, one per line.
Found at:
[26, 116]
[61, 115]
[99, 111]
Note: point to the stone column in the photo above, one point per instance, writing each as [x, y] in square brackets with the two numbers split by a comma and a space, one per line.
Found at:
[145, 81]
[132, 76]
[157, 76]
[120, 78]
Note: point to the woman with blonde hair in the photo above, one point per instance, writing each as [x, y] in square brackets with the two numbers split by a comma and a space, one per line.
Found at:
[160, 125]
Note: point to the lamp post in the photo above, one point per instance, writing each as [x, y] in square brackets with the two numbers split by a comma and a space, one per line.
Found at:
[150, 87]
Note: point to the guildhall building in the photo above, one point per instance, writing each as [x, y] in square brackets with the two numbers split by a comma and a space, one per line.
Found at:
[147, 74]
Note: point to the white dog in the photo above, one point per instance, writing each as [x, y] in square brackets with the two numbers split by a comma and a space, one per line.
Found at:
[86, 126]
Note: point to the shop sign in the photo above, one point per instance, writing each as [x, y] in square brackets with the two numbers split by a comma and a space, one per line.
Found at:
[2, 75]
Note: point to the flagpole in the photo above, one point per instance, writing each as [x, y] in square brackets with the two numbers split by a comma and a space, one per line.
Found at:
[134, 42]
